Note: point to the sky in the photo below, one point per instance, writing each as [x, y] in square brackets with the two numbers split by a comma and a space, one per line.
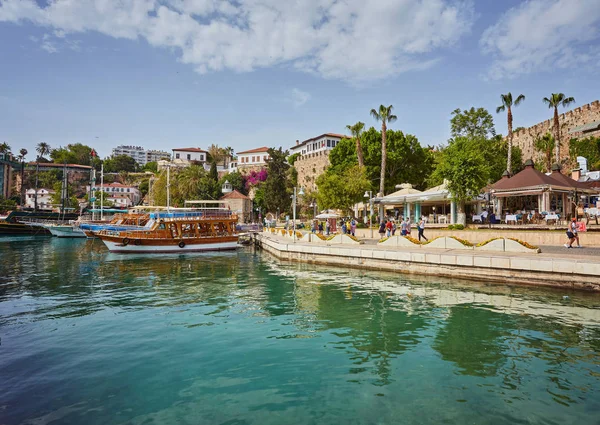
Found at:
[164, 74]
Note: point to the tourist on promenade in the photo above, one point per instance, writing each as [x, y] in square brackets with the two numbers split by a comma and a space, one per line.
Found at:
[382, 229]
[320, 228]
[353, 227]
[421, 228]
[575, 230]
[327, 227]
[394, 227]
[403, 227]
[343, 228]
[388, 228]
[408, 226]
[570, 234]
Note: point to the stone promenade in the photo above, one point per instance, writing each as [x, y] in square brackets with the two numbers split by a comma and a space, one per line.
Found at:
[566, 268]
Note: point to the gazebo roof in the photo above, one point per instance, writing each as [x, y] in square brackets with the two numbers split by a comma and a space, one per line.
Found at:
[568, 181]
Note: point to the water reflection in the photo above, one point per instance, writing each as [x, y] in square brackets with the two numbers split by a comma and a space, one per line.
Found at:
[263, 336]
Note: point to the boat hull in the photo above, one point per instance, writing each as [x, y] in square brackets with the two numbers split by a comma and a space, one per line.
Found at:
[148, 247]
[20, 229]
[66, 232]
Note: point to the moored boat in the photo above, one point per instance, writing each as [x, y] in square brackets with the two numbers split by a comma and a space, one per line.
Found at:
[65, 231]
[209, 230]
[28, 223]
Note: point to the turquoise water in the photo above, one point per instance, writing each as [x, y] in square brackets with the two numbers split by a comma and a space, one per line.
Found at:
[88, 337]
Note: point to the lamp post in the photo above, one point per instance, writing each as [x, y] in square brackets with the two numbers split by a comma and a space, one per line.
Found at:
[369, 194]
[294, 198]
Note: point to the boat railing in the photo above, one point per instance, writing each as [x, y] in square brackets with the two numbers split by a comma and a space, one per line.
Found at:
[148, 234]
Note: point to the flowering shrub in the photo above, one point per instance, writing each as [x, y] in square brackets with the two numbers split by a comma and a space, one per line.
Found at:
[525, 244]
[354, 238]
[254, 177]
[430, 240]
[282, 232]
[413, 240]
[487, 242]
[320, 236]
[383, 239]
[462, 241]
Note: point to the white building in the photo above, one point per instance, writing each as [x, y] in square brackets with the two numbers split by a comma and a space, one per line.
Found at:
[324, 142]
[141, 155]
[189, 155]
[121, 195]
[44, 199]
[253, 158]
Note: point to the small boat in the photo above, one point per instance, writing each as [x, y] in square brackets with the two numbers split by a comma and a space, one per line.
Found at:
[65, 230]
[29, 223]
[212, 229]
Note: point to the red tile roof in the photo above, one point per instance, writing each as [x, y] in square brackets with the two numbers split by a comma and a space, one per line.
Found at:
[257, 150]
[234, 195]
[52, 164]
[190, 150]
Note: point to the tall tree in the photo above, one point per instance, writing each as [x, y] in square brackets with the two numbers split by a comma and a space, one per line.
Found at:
[22, 154]
[42, 150]
[342, 190]
[545, 145]
[553, 102]
[507, 104]
[276, 187]
[4, 147]
[472, 123]
[385, 116]
[356, 131]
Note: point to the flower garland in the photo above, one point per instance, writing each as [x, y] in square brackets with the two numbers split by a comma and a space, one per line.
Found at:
[487, 242]
[413, 240]
[525, 244]
[462, 241]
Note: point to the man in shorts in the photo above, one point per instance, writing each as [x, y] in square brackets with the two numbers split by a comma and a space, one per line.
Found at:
[571, 232]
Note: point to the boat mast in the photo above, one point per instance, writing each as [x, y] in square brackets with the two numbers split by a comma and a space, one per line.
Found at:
[168, 187]
[93, 193]
[102, 192]
[63, 194]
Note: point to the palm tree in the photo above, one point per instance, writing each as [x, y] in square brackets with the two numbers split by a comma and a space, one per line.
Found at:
[385, 116]
[189, 181]
[507, 103]
[216, 153]
[22, 154]
[4, 147]
[556, 100]
[356, 131]
[545, 145]
[42, 150]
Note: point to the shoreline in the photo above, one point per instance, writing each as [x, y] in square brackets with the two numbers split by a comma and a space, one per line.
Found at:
[540, 270]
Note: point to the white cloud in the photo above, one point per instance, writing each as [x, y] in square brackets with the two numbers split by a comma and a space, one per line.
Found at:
[353, 40]
[299, 97]
[541, 35]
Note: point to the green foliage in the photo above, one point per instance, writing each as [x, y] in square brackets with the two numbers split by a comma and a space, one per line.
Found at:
[118, 163]
[342, 190]
[589, 148]
[407, 161]
[213, 171]
[4, 147]
[151, 166]
[190, 183]
[277, 186]
[464, 165]
[456, 227]
[144, 186]
[475, 123]
[292, 158]
[70, 202]
[46, 179]
[237, 181]
[545, 145]
[7, 204]
[76, 153]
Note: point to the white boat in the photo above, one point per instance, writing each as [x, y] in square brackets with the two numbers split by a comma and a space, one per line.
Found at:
[65, 231]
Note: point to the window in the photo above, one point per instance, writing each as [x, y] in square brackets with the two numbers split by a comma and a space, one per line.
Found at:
[128, 190]
[189, 156]
[177, 155]
[265, 158]
[201, 157]
[253, 159]
[328, 143]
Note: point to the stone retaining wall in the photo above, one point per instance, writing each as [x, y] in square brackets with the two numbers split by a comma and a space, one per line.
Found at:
[569, 273]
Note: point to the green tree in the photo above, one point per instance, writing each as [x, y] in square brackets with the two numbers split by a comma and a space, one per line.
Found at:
[474, 123]
[545, 145]
[507, 104]
[407, 161]
[144, 187]
[356, 131]
[151, 166]
[118, 163]
[463, 164]
[337, 190]
[293, 157]
[553, 102]
[22, 154]
[277, 186]
[589, 148]
[236, 179]
[4, 147]
[76, 153]
[42, 150]
[385, 116]
[213, 173]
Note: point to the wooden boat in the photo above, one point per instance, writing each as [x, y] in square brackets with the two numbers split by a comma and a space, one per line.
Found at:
[209, 230]
[27, 223]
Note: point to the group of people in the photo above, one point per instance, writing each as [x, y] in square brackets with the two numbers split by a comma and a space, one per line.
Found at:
[347, 227]
[388, 227]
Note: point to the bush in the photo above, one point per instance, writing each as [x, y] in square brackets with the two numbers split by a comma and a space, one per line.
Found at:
[456, 227]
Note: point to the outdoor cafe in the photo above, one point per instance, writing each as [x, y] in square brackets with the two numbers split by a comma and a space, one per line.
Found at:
[532, 197]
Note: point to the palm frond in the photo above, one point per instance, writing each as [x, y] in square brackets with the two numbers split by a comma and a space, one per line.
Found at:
[519, 99]
[392, 118]
[500, 109]
[567, 101]
[549, 102]
[375, 115]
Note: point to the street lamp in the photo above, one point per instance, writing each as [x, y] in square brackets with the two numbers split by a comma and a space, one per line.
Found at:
[369, 194]
[294, 198]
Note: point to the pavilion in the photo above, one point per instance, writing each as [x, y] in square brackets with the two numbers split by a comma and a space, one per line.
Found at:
[531, 190]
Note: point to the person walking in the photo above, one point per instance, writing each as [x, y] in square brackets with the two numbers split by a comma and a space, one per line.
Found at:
[394, 227]
[421, 228]
[408, 226]
[353, 227]
[388, 228]
[327, 227]
[575, 231]
[403, 227]
[320, 228]
[382, 230]
[570, 233]
[343, 227]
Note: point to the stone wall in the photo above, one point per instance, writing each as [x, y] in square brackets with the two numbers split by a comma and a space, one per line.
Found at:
[585, 114]
[310, 167]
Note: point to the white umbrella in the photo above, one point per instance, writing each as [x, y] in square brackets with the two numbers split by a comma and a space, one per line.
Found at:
[328, 215]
